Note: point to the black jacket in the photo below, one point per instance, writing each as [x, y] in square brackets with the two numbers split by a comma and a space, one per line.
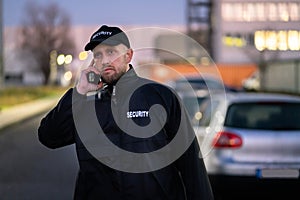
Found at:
[113, 169]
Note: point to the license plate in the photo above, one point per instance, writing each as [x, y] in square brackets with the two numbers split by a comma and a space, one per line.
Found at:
[277, 173]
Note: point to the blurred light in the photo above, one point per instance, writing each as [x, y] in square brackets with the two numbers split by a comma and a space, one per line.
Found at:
[192, 60]
[60, 59]
[227, 40]
[205, 61]
[239, 42]
[198, 115]
[234, 41]
[68, 59]
[83, 55]
[68, 75]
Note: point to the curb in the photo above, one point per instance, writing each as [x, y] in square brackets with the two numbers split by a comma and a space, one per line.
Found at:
[24, 111]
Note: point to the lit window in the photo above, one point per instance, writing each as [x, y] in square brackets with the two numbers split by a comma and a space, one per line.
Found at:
[259, 40]
[294, 11]
[238, 11]
[293, 40]
[272, 11]
[282, 40]
[227, 12]
[249, 12]
[260, 12]
[266, 11]
[283, 14]
[271, 40]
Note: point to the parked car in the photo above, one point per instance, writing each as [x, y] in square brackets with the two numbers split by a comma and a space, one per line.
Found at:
[249, 141]
[199, 82]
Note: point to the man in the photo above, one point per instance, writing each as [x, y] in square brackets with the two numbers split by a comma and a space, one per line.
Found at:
[133, 138]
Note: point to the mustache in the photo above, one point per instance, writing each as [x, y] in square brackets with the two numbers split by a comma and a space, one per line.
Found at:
[107, 67]
[104, 67]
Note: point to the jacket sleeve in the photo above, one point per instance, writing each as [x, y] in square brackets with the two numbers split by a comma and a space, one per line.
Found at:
[190, 164]
[57, 128]
[194, 175]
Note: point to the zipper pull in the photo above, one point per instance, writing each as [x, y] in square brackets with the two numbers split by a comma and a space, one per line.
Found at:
[113, 95]
[114, 91]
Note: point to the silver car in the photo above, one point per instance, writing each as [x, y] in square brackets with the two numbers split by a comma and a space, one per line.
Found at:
[249, 140]
[197, 83]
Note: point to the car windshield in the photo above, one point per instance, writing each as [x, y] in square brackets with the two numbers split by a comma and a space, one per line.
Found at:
[264, 115]
[200, 109]
[192, 106]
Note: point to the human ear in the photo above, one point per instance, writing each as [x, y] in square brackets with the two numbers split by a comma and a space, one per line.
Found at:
[128, 55]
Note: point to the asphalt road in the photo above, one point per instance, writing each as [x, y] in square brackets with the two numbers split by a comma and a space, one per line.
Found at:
[29, 170]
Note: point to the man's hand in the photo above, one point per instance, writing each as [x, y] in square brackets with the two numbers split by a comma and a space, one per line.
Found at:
[83, 86]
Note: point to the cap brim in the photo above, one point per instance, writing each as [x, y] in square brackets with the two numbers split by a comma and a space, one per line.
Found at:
[91, 45]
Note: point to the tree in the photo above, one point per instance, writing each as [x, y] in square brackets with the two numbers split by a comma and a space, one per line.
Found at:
[45, 28]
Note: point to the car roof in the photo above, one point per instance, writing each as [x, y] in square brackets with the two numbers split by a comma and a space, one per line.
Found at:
[246, 97]
[202, 76]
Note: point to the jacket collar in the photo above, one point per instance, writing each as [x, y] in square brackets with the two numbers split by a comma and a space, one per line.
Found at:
[128, 77]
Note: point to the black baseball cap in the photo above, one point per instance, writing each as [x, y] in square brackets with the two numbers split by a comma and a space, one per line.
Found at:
[107, 35]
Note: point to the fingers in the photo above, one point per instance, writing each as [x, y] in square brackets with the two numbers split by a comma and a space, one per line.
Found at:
[92, 63]
[92, 67]
[83, 86]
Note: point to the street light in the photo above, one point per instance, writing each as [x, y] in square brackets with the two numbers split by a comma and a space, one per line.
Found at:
[65, 73]
[68, 59]
[83, 55]
[60, 59]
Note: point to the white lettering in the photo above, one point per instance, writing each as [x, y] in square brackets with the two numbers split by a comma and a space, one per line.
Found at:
[102, 33]
[138, 113]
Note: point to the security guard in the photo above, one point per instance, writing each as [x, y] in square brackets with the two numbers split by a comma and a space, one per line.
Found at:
[133, 138]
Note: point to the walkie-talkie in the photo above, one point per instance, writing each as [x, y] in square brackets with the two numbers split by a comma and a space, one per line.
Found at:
[94, 78]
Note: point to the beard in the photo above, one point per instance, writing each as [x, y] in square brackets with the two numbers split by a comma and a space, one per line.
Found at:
[112, 79]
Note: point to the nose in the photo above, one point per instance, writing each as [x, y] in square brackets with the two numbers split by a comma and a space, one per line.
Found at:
[100, 63]
[105, 61]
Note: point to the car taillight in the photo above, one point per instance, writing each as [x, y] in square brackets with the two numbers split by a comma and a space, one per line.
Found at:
[227, 140]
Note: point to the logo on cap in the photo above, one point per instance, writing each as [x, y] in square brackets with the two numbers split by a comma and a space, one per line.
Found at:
[102, 33]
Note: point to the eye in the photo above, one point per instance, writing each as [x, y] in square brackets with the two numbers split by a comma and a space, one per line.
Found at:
[111, 52]
[97, 55]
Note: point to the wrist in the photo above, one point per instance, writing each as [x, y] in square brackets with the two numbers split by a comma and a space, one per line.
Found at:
[80, 90]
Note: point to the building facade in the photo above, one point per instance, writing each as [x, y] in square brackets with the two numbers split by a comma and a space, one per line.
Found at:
[256, 30]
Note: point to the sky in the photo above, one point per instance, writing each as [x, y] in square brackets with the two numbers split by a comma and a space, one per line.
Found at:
[121, 12]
